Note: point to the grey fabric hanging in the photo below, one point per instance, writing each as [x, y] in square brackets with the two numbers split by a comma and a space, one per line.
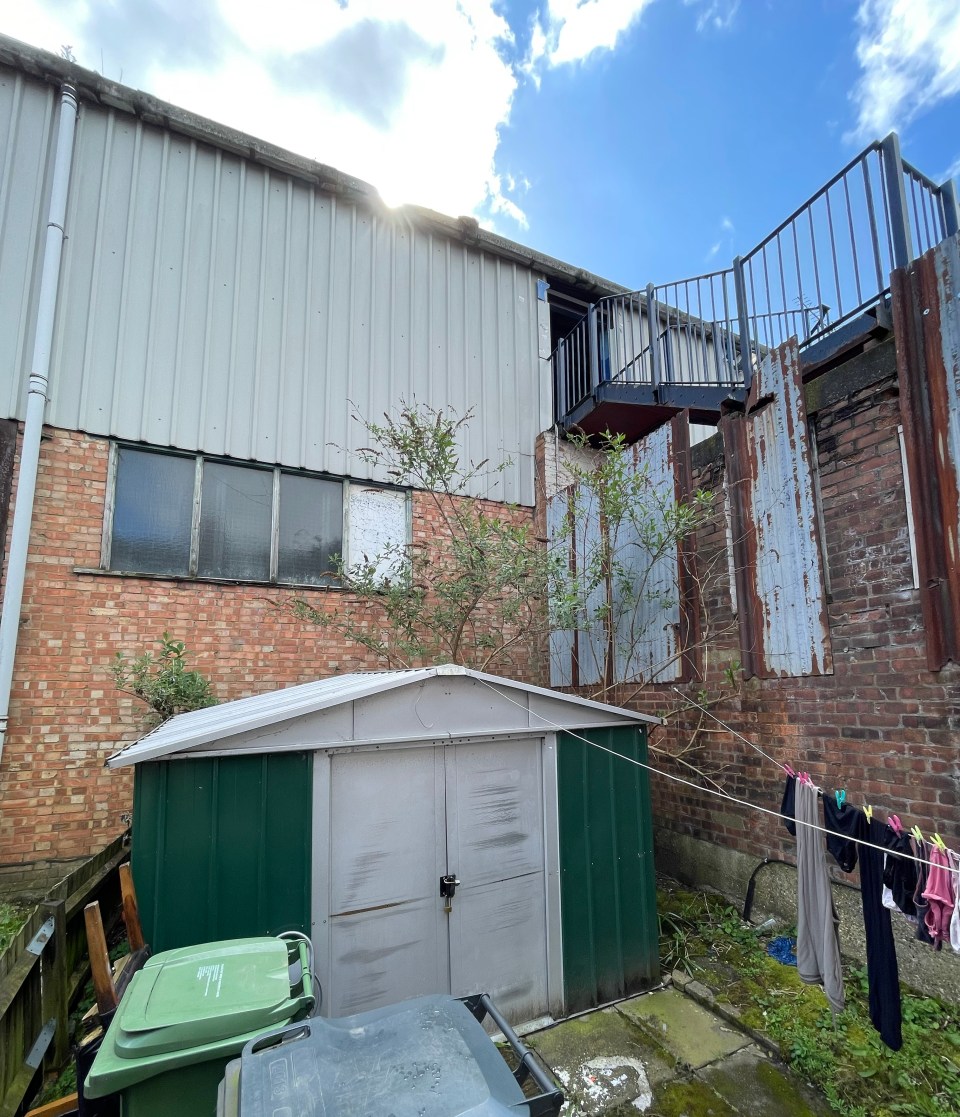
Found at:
[818, 941]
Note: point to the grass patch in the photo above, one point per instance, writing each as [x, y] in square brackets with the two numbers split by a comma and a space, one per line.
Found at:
[12, 918]
[844, 1058]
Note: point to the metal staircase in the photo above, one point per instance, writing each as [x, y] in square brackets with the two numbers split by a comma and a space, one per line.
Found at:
[634, 360]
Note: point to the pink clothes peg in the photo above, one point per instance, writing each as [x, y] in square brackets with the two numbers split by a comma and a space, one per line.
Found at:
[895, 824]
[789, 770]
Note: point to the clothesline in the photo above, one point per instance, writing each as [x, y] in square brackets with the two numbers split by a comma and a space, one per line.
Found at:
[710, 791]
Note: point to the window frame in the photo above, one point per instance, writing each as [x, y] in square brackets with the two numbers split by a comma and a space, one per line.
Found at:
[277, 471]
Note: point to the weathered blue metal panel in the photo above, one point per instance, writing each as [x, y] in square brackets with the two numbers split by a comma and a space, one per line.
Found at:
[781, 597]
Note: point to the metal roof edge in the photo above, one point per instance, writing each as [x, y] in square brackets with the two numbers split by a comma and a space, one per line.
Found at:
[377, 682]
[93, 87]
[309, 705]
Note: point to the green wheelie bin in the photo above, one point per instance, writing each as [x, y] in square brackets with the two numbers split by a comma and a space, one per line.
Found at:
[188, 1012]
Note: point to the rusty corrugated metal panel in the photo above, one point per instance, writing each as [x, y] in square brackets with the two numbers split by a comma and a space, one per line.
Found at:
[780, 592]
[647, 627]
[688, 581]
[926, 314]
[653, 637]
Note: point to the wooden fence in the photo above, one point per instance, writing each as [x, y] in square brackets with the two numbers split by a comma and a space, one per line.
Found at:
[41, 971]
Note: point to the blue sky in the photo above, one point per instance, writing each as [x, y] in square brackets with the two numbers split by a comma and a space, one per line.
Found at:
[645, 140]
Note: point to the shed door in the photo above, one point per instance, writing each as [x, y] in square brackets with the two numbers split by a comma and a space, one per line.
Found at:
[398, 821]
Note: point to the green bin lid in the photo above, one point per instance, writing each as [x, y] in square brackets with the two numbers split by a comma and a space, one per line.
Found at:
[193, 1004]
[192, 996]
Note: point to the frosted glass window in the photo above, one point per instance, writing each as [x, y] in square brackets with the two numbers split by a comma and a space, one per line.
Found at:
[235, 520]
[152, 513]
[311, 522]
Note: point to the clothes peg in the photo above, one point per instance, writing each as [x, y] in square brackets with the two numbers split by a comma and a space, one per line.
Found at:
[841, 795]
[789, 770]
[916, 833]
[895, 824]
[939, 843]
[868, 811]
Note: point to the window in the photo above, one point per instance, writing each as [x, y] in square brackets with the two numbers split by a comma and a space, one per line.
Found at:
[195, 517]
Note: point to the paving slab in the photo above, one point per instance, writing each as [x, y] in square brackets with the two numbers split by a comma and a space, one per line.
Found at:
[604, 1061]
[693, 1035]
[756, 1086]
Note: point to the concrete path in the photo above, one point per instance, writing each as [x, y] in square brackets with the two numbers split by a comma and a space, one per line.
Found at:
[663, 1053]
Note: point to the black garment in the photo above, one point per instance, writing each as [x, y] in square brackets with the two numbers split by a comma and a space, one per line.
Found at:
[900, 875]
[844, 852]
[788, 806]
[882, 977]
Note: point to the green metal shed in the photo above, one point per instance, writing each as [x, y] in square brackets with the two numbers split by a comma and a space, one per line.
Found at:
[432, 830]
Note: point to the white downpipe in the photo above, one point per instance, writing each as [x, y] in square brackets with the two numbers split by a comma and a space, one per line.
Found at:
[36, 402]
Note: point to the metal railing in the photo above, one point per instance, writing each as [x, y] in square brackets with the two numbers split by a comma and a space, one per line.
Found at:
[822, 267]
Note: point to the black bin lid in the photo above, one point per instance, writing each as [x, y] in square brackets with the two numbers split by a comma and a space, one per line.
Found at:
[427, 1057]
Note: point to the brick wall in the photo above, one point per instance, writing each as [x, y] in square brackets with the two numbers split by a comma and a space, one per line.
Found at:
[56, 797]
[881, 726]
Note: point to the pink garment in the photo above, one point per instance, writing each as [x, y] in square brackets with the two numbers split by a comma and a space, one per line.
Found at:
[942, 894]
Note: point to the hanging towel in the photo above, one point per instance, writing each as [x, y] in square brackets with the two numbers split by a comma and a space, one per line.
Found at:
[818, 941]
[941, 895]
[883, 980]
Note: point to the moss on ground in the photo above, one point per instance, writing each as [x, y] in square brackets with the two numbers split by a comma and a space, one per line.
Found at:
[843, 1057]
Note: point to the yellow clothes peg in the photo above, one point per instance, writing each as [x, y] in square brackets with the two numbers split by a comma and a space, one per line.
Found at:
[938, 842]
[916, 833]
[868, 811]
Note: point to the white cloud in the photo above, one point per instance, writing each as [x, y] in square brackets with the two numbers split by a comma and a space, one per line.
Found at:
[409, 97]
[716, 15]
[724, 240]
[572, 30]
[909, 55]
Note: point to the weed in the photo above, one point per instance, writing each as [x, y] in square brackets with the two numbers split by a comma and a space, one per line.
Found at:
[841, 1055]
[12, 918]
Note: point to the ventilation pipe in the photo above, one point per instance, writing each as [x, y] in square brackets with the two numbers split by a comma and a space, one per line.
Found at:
[36, 402]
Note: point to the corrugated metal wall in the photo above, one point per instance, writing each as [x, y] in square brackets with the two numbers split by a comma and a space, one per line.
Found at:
[608, 889]
[221, 847]
[926, 315]
[27, 116]
[648, 631]
[646, 621]
[780, 593]
[212, 304]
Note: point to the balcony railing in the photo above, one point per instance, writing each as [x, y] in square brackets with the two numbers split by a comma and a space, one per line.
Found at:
[826, 265]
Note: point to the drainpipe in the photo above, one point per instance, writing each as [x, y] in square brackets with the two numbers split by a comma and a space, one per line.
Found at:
[36, 402]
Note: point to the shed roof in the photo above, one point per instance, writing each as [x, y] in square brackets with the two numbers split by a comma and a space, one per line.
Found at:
[269, 722]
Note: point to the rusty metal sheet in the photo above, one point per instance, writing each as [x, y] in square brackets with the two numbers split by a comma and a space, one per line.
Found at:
[778, 560]
[646, 608]
[652, 597]
[926, 315]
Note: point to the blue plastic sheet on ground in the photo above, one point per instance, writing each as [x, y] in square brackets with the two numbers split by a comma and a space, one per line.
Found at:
[783, 948]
